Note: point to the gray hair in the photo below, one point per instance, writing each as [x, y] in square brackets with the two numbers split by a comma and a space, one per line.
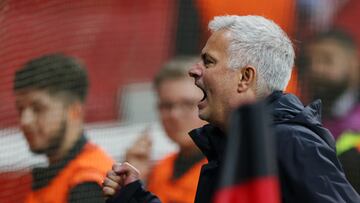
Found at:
[258, 42]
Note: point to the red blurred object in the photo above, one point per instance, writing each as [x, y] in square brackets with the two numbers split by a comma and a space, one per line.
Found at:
[14, 186]
[120, 42]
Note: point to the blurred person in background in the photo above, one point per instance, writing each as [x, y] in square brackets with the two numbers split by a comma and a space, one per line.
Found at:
[50, 92]
[331, 73]
[245, 60]
[317, 16]
[174, 178]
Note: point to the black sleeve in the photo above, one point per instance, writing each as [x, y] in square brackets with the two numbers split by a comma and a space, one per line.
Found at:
[134, 193]
[89, 192]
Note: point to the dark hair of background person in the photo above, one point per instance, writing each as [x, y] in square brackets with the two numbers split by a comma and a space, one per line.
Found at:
[56, 73]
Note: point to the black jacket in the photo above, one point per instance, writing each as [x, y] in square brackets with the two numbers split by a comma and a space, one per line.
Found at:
[308, 168]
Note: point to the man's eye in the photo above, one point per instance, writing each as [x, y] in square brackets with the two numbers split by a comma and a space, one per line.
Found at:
[207, 62]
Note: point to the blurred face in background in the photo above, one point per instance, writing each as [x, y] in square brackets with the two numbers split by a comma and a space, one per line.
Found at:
[330, 71]
[177, 104]
[43, 120]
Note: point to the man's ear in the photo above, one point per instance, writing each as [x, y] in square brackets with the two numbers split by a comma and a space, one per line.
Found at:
[75, 111]
[246, 78]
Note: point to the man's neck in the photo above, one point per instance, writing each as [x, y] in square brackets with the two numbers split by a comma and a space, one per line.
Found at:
[70, 139]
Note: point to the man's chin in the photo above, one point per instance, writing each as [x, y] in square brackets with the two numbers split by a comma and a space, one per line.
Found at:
[203, 116]
[37, 151]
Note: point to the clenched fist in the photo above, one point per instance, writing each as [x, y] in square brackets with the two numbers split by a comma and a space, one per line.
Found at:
[121, 175]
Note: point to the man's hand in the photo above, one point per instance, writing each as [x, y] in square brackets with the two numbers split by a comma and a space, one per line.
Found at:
[139, 154]
[120, 176]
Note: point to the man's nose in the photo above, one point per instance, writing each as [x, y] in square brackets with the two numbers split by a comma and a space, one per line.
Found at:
[196, 71]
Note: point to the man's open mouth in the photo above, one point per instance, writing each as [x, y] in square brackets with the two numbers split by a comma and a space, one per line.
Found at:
[204, 97]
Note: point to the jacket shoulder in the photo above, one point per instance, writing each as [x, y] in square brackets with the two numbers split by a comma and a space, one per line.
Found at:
[291, 131]
[307, 165]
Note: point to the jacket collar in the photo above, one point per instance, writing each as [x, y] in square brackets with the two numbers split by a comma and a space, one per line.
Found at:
[43, 175]
[284, 108]
[288, 109]
[211, 141]
[269, 100]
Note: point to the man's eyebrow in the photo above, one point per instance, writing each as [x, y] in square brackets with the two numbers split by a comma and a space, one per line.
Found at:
[207, 56]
